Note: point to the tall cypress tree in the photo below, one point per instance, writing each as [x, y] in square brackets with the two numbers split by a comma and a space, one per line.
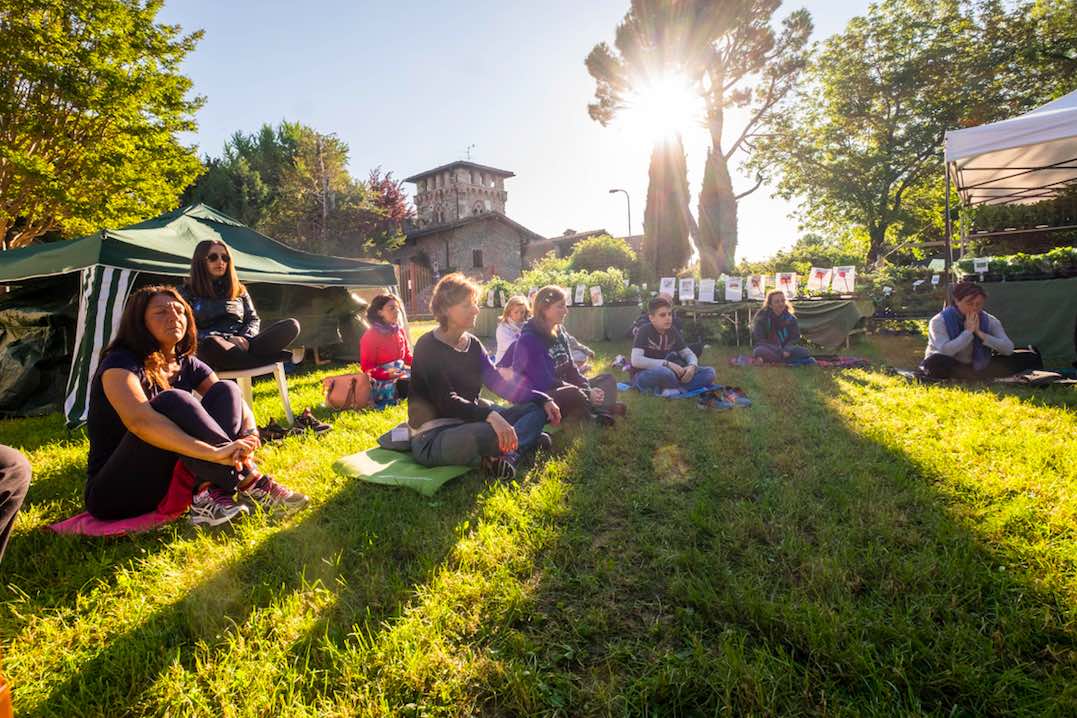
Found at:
[666, 244]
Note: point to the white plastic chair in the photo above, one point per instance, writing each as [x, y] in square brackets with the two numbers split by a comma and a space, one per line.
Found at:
[244, 378]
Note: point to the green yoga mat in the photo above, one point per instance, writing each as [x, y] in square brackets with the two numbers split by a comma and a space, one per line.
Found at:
[397, 468]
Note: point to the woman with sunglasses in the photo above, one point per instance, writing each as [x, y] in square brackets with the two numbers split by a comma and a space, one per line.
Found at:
[230, 337]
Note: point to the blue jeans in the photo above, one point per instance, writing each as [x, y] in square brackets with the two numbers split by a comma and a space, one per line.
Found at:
[465, 444]
[655, 380]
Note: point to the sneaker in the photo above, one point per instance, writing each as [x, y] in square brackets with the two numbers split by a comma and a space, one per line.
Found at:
[501, 467]
[213, 507]
[544, 443]
[602, 418]
[307, 420]
[272, 432]
[269, 495]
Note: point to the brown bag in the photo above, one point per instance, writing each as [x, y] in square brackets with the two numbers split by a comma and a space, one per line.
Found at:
[347, 391]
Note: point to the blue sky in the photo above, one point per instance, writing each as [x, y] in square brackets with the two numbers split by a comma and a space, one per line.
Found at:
[410, 85]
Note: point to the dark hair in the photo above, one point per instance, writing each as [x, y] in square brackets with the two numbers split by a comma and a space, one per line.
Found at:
[373, 312]
[963, 290]
[201, 282]
[134, 336]
[657, 303]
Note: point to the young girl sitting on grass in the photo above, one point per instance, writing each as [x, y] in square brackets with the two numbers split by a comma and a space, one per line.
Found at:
[542, 361]
[512, 322]
[385, 351]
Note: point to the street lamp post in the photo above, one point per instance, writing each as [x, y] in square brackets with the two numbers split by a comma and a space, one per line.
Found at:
[628, 200]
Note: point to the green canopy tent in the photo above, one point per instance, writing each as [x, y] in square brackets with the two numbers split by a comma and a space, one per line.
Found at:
[110, 261]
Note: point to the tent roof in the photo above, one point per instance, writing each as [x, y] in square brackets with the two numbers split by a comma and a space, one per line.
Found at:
[164, 245]
[1023, 159]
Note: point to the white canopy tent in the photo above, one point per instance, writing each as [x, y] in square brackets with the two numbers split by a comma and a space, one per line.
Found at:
[1024, 159]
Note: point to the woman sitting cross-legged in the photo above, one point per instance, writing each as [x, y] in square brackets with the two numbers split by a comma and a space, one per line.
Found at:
[775, 332]
[230, 336]
[542, 361]
[385, 351]
[965, 342]
[511, 324]
[142, 417]
[450, 423]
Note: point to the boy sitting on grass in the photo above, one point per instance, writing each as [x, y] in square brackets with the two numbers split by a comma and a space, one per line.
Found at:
[661, 361]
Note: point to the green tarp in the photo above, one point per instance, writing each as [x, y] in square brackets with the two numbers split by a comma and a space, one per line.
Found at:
[396, 468]
[1040, 313]
[825, 322]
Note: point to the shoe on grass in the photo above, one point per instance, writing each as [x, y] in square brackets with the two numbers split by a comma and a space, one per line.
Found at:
[272, 432]
[544, 443]
[213, 507]
[501, 467]
[307, 420]
[269, 495]
[619, 409]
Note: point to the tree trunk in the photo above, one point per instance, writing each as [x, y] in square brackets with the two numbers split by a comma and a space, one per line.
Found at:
[717, 210]
[876, 242]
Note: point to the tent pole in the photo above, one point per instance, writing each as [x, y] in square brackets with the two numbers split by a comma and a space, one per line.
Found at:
[949, 229]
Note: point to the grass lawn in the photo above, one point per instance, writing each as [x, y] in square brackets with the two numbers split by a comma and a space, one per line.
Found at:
[850, 545]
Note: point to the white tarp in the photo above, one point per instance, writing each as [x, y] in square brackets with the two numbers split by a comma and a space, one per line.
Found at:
[1023, 159]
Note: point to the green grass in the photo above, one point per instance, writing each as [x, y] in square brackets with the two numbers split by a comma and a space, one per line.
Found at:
[850, 545]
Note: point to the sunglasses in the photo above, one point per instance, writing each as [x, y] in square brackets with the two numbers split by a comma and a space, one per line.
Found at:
[213, 257]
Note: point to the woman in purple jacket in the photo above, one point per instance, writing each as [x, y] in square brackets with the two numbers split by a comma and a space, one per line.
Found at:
[542, 361]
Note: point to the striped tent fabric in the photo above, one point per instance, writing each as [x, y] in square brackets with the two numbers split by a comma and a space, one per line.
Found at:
[102, 293]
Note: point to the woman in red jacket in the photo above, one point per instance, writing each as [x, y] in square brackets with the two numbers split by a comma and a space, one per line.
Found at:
[385, 352]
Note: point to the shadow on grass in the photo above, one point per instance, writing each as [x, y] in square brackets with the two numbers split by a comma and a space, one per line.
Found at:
[368, 545]
[777, 561]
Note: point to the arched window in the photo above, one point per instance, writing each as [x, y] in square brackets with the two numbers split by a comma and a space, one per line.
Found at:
[478, 208]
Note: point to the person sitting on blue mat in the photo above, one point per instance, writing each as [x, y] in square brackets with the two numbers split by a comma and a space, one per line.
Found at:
[450, 423]
[965, 342]
[661, 362]
[775, 332]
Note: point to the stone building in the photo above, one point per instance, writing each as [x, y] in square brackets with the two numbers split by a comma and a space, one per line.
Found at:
[460, 226]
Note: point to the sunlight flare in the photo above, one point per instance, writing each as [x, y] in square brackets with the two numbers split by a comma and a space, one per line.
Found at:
[664, 106]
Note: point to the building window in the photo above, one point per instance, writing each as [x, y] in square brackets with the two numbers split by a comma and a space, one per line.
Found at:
[476, 258]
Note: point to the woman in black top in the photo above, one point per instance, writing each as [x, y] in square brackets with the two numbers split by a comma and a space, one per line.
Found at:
[229, 335]
[450, 423]
[142, 417]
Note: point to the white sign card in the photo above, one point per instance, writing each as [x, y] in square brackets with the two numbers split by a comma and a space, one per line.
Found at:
[819, 279]
[687, 289]
[490, 298]
[757, 286]
[531, 294]
[844, 280]
[568, 297]
[734, 289]
[887, 291]
[917, 283]
[596, 296]
[667, 286]
[581, 290]
[504, 298]
[980, 265]
[935, 279]
[706, 290]
[787, 283]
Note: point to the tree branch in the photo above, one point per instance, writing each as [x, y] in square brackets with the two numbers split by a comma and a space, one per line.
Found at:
[758, 184]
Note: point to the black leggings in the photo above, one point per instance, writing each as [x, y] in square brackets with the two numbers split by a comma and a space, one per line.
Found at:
[14, 480]
[136, 477]
[940, 366]
[266, 347]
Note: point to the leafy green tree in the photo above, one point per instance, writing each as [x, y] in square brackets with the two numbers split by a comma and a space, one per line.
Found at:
[602, 252]
[666, 245]
[92, 100]
[861, 142]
